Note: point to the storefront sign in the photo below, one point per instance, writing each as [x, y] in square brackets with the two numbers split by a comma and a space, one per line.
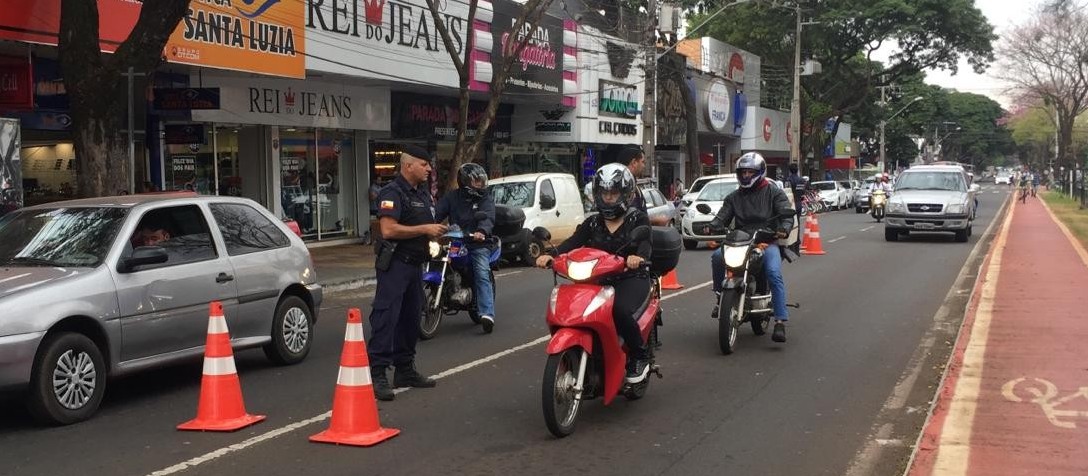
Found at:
[183, 134]
[617, 128]
[765, 131]
[185, 99]
[387, 39]
[717, 107]
[417, 116]
[258, 36]
[539, 67]
[284, 102]
[16, 90]
[618, 100]
[38, 21]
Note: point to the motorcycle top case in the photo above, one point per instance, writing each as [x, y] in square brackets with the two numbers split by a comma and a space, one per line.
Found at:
[508, 221]
[667, 244]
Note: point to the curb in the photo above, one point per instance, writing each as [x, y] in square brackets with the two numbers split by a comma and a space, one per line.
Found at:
[348, 285]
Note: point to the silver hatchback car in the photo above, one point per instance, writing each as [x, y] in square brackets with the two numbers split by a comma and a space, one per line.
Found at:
[95, 288]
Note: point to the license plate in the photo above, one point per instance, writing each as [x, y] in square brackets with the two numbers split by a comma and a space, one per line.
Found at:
[924, 226]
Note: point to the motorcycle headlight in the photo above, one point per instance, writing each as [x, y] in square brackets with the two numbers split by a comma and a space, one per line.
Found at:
[897, 207]
[734, 256]
[580, 270]
[434, 249]
[956, 208]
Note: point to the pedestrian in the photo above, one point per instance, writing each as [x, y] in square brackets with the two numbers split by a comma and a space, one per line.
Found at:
[406, 220]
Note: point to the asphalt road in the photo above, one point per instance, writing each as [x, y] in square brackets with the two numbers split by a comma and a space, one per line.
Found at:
[847, 393]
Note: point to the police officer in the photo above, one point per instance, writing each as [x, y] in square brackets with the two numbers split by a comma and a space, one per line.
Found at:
[460, 207]
[406, 220]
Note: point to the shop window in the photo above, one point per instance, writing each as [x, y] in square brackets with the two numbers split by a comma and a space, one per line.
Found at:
[246, 230]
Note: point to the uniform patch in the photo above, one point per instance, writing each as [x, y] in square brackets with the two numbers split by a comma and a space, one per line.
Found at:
[387, 205]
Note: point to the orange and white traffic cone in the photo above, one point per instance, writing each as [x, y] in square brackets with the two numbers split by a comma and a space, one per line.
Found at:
[354, 409]
[815, 247]
[670, 282]
[221, 407]
[804, 233]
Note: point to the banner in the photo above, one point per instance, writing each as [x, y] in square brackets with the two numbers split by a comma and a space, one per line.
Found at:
[16, 83]
[538, 71]
[417, 116]
[11, 171]
[38, 21]
[257, 36]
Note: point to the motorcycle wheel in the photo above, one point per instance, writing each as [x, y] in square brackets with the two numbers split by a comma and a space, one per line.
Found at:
[728, 321]
[431, 317]
[557, 391]
[760, 325]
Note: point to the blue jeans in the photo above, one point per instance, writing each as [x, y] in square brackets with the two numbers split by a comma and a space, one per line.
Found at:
[772, 268]
[481, 275]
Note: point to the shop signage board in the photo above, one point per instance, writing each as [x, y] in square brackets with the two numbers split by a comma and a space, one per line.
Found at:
[766, 130]
[285, 102]
[538, 70]
[420, 116]
[718, 102]
[183, 134]
[185, 99]
[259, 36]
[16, 83]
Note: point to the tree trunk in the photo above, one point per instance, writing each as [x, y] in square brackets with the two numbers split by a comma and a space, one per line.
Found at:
[101, 146]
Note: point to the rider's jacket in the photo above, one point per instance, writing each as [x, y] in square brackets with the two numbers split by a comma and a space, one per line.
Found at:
[886, 187]
[461, 208]
[752, 208]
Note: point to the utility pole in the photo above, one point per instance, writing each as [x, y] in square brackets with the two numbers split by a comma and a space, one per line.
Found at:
[795, 108]
[883, 123]
[649, 109]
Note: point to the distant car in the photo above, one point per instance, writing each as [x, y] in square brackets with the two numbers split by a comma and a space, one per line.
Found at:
[660, 209]
[101, 287]
[712, 193]
[850, 186]
[931, 198]
[831, 193]
[861, 195]
[549, 200]
[1003, 178]
[696, 187]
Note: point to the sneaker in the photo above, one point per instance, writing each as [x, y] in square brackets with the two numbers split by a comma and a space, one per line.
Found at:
[382, 390]
[637, 370]
[488, 322]
[407, 376]
[779, 334]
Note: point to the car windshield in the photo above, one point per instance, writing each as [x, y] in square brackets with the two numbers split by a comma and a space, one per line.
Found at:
[698, 185]
[951, 181]
[68, 237]
[824, 185]
[846, 185]
[717, 191]
[514, 194]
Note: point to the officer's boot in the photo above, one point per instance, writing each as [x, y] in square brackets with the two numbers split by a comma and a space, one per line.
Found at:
[407, 376]
[382, 390]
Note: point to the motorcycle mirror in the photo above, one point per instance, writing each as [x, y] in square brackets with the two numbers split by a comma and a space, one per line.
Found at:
[640, 233]
[542, 234]
[703, 208]
[480, 216]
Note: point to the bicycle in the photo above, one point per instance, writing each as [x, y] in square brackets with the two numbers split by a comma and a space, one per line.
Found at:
[1023, 194]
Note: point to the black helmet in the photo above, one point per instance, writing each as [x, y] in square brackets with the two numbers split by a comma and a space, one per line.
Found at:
[467, 174]
[613, 177]
[754, 162]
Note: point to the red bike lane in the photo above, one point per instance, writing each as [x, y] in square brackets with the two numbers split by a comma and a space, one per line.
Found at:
[1015, 397]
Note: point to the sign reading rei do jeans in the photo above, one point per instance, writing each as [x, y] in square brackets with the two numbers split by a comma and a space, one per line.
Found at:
[310, 103]
[538, 70]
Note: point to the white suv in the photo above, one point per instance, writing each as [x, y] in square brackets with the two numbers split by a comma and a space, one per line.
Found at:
[931, 198]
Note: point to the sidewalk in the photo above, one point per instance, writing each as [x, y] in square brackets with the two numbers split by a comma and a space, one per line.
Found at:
[1014, 400]
[344, 266]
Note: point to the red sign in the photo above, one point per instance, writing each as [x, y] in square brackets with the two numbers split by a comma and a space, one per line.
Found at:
[736, 68]
[38, 21]
[16, 83]
[767, 129]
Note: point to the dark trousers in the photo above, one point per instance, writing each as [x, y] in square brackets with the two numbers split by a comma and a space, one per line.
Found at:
[630, 294]
[398, 304]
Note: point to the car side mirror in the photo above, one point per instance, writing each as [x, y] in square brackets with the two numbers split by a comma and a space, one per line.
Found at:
[144, 255]
[542, 234]
[547, 202]
[703, 208]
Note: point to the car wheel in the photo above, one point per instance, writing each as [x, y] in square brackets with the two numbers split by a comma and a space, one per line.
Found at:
[858, 210]
[690, 244]
[533, 250]
[292, 332]
[67, 380]
[891, 235]
[962, 235]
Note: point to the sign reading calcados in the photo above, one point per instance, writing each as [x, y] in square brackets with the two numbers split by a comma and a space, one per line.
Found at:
[718, 101]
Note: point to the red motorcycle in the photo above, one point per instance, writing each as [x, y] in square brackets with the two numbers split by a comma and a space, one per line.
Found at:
[585, 356]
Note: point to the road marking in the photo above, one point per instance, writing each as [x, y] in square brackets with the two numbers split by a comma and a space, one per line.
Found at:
[224, 451]
[954, 444]
[1045, 394]
[868, 228]
[510, 273]
[837, 239]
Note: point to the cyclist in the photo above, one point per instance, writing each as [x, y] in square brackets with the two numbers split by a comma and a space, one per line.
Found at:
[1023, 187]
[1034, 183]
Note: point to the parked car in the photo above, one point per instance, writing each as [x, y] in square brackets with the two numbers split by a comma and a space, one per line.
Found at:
[930, 198]
[850, 186]
[861, 195]
[712, 193]
[549, 200]
[660, 209]
[696, 187]
[831, 193]
[98, 288]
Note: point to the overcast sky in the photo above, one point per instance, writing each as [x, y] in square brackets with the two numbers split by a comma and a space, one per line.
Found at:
[1002, 15]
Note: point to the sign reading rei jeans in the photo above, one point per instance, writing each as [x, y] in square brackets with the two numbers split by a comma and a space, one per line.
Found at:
[538, 70]
[310, 103]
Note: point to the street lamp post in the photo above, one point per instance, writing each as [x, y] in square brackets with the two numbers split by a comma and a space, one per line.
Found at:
[885, 123]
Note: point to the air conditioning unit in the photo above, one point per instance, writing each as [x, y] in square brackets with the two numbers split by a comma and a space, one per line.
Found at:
[669, 19]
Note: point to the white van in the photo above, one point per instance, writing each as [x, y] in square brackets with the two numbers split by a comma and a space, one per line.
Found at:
[550, 200]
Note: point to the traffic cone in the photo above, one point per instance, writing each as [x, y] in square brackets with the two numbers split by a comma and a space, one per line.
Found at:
[354, 409]
[815, 247]
[670, 282]
[221, 407]
[806, 232]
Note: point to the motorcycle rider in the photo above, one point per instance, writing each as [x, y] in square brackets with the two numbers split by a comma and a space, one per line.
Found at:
[882, 183]
[610, 230]
[749, 208]
[461, 206]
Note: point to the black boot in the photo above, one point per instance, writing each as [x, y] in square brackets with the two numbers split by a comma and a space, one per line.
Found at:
[407, 376]
[382, 390]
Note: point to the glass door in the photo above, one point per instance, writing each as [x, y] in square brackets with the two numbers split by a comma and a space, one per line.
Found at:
[298, 179]
[335, 184]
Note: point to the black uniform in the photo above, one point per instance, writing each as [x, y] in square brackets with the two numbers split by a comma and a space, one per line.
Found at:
[398, 299]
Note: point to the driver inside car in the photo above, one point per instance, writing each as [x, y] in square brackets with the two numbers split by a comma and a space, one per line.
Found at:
[611, 230]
